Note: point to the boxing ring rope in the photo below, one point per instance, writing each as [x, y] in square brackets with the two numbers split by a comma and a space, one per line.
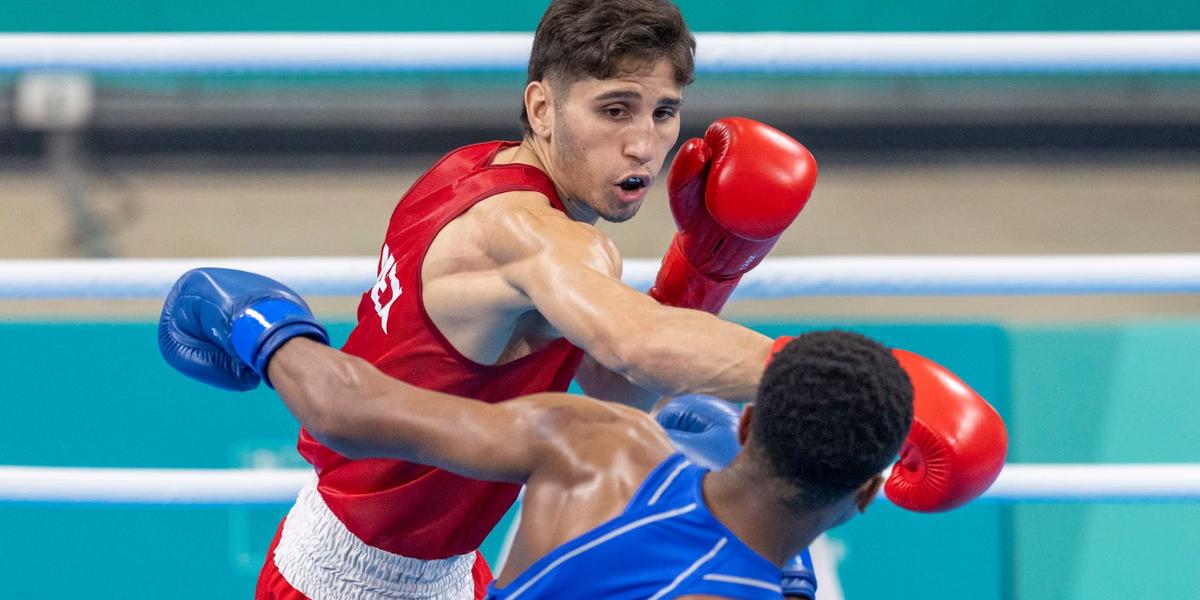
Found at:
[862, 53]
[782, 277]
[225, 487]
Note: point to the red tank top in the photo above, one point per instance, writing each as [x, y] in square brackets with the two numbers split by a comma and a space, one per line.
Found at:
[407, 508]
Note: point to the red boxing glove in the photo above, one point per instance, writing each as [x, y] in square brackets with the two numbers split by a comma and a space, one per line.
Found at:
[957, 444]
[733, 193]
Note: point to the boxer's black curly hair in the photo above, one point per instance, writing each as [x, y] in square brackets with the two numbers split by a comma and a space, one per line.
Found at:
[831, 412]
[604, 39]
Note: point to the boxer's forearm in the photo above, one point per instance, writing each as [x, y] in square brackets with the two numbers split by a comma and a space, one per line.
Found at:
[678, 351]
[326, 391]
[349, 406]
[668, 351]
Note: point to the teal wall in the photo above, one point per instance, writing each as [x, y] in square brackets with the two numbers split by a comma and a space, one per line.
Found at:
[99, 395]
[703, 15]
[1107, 394]
[85, 394]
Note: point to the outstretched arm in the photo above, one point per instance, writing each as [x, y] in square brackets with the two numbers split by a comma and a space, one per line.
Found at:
[348, 405]
[231, 328]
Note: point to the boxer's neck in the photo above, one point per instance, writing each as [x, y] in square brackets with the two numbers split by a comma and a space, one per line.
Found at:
[530, 152]
[760, 518]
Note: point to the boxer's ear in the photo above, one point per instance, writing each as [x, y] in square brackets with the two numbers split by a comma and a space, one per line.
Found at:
[539, 106]
[743, 430]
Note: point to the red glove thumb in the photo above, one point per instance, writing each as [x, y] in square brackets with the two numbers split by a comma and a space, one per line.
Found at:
[685, 182]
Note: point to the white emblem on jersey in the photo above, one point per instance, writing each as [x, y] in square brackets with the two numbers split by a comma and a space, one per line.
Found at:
[386, 282]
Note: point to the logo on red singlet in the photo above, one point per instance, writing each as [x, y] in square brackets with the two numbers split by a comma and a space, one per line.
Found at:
[387, 287]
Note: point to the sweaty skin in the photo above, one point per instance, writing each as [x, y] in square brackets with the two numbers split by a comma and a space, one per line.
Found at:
[581, 460]
[512, 273]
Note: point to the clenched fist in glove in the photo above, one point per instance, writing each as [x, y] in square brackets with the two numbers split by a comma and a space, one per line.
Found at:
[221, 326]
[733, 193]
[957, 444]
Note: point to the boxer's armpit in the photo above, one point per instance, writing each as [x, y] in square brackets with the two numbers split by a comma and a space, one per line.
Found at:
[603, 383]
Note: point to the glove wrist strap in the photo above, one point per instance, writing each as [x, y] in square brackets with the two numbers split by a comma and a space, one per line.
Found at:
[681, 284]
[261, 328]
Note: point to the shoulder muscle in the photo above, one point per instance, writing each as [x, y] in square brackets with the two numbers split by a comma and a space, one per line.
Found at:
[524, 229]
[586, 435]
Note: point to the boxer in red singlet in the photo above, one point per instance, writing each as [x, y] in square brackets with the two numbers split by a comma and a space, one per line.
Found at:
[494, 283]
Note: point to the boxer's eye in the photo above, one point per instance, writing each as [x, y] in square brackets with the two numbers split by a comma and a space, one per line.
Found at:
[615, 112]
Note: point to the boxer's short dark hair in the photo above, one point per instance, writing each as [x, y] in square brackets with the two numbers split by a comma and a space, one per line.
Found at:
[831, 412]
[607, 38]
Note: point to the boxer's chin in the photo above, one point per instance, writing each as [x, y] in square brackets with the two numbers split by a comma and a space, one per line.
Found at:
[617, 211]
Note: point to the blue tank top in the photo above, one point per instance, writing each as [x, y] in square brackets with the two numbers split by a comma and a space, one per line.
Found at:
[664, 544]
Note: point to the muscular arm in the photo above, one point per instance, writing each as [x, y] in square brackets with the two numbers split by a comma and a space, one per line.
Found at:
[570, 273]
[348, 405]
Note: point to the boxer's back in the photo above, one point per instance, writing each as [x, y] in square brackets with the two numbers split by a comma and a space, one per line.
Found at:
[664, 544]
[411, 509]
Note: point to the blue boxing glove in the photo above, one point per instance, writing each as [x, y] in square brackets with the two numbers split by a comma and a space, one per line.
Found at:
[221, 326]
[799, 580]
[704, 428]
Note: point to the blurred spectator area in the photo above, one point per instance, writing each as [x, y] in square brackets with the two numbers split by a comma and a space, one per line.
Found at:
[406, 113]
[213, 164]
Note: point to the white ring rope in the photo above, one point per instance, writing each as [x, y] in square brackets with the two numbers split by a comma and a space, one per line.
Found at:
[782, 277]
[150, 486]
[870, 53]
[1017, 483]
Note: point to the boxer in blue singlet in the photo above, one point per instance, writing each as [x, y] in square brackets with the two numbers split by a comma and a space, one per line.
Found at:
[613, 508]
